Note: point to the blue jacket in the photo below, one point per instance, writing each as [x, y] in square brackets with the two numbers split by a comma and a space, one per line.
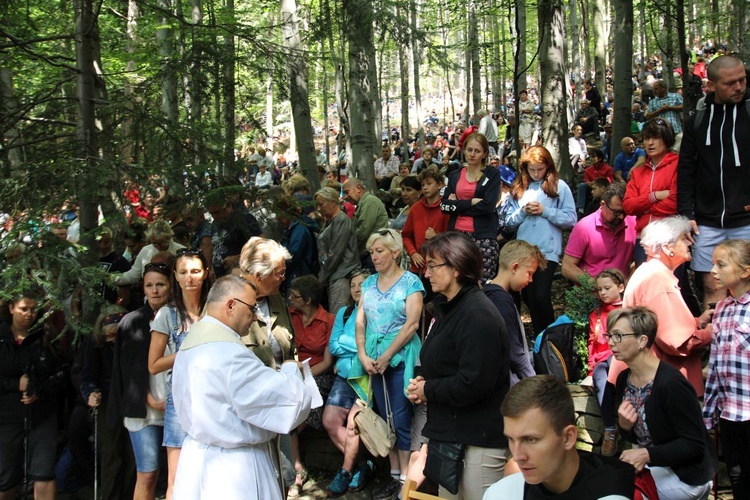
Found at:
[299, 239]
[544, 231]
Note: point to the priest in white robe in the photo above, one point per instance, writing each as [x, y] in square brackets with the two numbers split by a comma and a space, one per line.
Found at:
[230, 404]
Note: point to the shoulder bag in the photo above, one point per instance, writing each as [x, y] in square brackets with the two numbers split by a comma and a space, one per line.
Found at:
[377, 435]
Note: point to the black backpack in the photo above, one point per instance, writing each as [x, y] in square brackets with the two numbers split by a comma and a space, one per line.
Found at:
[555, 352]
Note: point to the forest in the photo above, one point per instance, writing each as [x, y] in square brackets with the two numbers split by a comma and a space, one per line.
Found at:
[94, 94]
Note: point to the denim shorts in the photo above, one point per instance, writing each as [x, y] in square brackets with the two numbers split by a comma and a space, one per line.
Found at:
[173, 433]
[342, 394]
[708, 239]
[42, 452]
[146, 445]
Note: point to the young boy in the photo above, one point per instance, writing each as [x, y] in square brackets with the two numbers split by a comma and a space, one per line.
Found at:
[597, 186]
[598, 168]
[425, 219]
[518, 261]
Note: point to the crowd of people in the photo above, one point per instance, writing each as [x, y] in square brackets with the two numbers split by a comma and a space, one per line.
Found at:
[225, 320]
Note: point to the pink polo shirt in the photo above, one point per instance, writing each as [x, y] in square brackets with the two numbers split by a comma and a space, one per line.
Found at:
[600, 247]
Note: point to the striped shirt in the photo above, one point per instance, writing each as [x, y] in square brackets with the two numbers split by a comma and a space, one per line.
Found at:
[728, 384]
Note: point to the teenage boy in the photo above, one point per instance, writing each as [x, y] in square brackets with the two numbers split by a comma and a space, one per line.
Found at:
[425, 219]
[598, 186]
[540, 424]
[518, 262]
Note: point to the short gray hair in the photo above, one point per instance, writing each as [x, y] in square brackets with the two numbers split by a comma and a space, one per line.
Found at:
[664, 232]
[159, 230]
[327, 194]
[261, 255]
[227, 286]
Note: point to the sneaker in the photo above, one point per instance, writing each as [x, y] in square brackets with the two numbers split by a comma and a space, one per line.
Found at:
[388, 490]
[340, 483]
[609, 443]
[361, 476]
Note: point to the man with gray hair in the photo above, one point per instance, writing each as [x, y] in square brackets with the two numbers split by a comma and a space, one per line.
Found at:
[368, 218]
[230, 404]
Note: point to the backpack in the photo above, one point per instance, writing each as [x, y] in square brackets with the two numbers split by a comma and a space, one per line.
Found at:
[555, 353]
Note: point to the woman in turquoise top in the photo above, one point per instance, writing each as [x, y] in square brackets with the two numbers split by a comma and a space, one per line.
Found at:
[387, 319]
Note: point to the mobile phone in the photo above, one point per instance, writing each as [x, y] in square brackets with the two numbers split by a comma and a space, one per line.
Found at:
[712, 305]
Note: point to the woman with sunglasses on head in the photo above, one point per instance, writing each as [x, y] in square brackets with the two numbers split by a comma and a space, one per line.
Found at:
[190, 286]
[387, 320]
[652, 189]
[659, 411]
[136, 398]
[312, 329]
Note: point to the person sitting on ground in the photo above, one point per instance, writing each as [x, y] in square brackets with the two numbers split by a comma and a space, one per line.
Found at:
[598, 168]
[628, 159]
[588, 118]
[659, 411]
[404, 171]
[386, 167]
[540, 424]
[427, 160]
[577, 149]
[519, 261]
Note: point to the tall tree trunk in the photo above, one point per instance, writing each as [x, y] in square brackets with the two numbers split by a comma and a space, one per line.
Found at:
[10, 159]
[87, 150]
[623, 87]
[575, 52]
[600, 38]
[326, 125]
[403, 61]
[361, 54]
[229, 103]
[376, 103]
[684, 56]
[297, 70]
[668, 73]
[195, 89]
[586, 32]
[169, 108]
[416, 60]
[340, 91]
[476, 70]
[467, 64]
[495, 67]
[520, 32]
[553, 83]
[128, 149]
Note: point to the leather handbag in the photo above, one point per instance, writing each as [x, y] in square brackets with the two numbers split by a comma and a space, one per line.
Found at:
[445, 464]
[377, 435]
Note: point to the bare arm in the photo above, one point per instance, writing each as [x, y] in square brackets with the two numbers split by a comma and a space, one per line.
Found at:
[157, 361]
[570, 268]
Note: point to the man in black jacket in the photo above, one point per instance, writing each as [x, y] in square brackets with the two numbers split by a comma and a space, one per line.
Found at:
[713, 175]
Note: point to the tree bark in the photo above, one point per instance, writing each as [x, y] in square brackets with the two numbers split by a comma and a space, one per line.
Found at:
[10, 159]
[169, 108]
[476, 71]
[553, 83]
[416, 60]
[229, 101]
[298, 79]
[600, 39]
[623, 87]
[361, 53]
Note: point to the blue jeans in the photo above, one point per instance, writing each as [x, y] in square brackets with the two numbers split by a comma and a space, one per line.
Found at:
[400, 406]
[173, 433]
[146, 445]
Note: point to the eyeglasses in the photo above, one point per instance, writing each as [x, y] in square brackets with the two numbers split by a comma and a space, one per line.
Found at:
[617, 337]
[280, 275]
[158, 266]
[384, 232]
[187, 251]
[253, 308]
[292, 295]
[616, 213]
[432, 267]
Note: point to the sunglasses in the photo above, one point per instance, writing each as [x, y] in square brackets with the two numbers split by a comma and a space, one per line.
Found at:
[157, 266]
[188, 251]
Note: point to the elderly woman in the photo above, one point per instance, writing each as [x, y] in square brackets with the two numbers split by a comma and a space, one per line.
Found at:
[312, 328]
[465, 367]
[411, 192]
[341, 404]
[337, 248]
[658, 411]
[271, 335]
[387, 347]
[160, 235]
[135, 398]
[681, 337]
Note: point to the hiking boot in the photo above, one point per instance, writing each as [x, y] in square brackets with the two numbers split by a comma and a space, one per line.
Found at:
[361, 476]
[388, 490]
[340, 483]
[609, 443]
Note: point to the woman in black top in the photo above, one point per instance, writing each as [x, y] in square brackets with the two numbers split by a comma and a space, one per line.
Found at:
[465, 367]
[659, 411]
[27, 389]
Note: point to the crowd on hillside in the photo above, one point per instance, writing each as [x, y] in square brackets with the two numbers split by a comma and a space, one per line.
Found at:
[410, 298]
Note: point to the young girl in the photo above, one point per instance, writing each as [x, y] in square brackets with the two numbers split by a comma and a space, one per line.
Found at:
[727, 401]
[610, 285]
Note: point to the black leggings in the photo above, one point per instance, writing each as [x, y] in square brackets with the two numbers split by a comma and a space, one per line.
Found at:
[538, 297]
[735, 441]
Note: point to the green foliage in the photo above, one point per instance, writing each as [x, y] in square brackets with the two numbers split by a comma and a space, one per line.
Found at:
[580, 301]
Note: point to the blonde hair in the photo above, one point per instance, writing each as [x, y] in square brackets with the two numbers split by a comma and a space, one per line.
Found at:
[522, 252]
[159, 230]
[394, 242]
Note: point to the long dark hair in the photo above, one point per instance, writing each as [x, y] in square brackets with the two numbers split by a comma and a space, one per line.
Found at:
[177, 297]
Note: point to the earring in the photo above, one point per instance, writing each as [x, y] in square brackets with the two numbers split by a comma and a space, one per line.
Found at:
[671, 254]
